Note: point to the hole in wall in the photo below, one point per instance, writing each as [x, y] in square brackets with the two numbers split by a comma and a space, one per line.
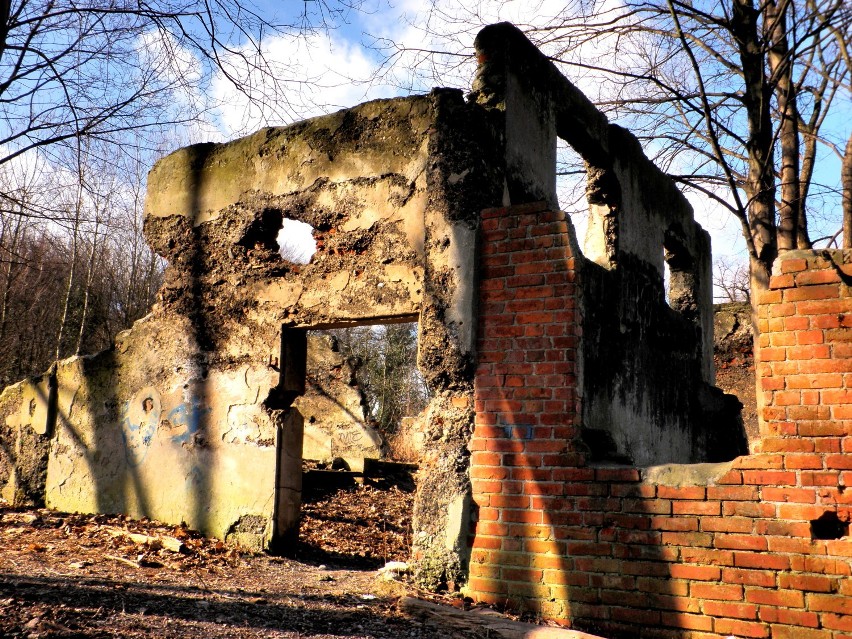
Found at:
[571, 178]
[296, 243]
[829, 526]
[667, 281]
[368, 375]
[680, 280]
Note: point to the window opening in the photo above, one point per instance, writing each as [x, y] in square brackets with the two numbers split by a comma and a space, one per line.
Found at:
[571, 178]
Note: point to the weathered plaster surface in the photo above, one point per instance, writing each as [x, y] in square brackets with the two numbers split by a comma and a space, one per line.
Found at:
[149, 430]
[333, 408]
[199, 413]
[24, 441]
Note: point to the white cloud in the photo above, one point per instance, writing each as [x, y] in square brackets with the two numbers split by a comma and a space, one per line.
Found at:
[335, 69]
[296, 241]
[311, 75]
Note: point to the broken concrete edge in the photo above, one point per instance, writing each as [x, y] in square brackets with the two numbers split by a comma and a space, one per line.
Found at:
[484, 622]
[24, 441]
[677, 475]
[502, 49]
[201, 180]
[441, 517]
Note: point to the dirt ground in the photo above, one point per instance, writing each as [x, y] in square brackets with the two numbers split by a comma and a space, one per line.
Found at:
[67, 575]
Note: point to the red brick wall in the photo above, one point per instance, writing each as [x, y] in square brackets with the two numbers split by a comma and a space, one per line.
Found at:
[711, 551]
[525, 396]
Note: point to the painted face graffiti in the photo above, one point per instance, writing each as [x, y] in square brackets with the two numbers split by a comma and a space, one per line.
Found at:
[140, 418]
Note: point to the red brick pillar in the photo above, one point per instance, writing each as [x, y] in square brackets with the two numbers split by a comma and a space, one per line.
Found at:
[804, 366]
[804, 355]
[526, 404]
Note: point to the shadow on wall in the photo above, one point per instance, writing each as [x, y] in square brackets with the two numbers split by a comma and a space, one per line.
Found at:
[128, 439]
[555, 535]
[524, 446]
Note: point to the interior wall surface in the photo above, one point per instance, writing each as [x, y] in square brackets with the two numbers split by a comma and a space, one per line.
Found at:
[647, 367]
[336, 425]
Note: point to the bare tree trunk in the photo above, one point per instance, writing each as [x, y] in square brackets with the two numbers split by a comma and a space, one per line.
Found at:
[7, 272]
[846, 180]
[72, 271]
[87, 291]
[5, 11]
[760, 182]
[66, 309]
[809, 148]
[781, 66]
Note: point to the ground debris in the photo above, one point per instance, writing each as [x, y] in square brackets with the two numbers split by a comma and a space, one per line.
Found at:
[154, 542]
[359, 526]
[98, 576]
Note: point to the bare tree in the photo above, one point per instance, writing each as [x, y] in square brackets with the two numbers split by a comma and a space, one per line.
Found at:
[71, 287]
[387, 375]
[731, 97]
[96, 67]
[731, 277]
[89, 91]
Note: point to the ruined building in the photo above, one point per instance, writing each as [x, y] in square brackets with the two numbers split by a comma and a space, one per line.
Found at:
[579, 462]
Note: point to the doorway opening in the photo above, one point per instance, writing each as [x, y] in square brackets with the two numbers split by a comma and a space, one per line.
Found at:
[357, 410]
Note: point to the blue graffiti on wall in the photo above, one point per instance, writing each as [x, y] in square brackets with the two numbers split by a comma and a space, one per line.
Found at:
[141, 425]
[138, 432]
[186, 421]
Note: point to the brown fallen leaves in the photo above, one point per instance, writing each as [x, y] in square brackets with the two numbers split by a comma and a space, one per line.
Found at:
[69, 575]
[359, 526]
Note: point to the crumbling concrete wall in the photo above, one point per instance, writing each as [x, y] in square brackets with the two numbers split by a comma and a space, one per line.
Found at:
[134, 430]
[195, 414]
[393, 190]
[191, 416]
[646, 370]
[394, 199]
[25, 440]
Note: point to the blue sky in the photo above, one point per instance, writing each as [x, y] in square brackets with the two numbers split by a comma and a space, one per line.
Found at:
[346, 70]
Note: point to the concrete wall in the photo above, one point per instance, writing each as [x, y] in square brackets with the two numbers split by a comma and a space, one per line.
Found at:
[190, 417]
[195, 414]
[130, 431]
[332, 408]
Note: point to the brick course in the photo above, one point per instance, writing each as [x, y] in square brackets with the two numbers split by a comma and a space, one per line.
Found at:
[604, 550]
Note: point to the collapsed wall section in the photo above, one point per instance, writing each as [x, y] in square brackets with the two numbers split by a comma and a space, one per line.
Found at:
[647, 370]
